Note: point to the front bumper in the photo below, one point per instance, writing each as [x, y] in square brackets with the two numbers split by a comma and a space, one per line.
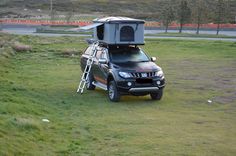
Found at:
[143, 89]
[140, 88]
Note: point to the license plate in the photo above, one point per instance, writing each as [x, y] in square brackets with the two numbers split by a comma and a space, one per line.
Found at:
[144, 74]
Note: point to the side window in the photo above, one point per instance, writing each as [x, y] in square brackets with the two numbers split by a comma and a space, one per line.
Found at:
[88, 51]
[104, 55]
[126, 34]
[98, 54]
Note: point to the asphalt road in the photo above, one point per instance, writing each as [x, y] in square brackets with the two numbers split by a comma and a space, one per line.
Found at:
[30, 30]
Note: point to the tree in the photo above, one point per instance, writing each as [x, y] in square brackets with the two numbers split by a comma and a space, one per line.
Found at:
[1, 22]
[69, 15]
[167, 15]
[70, 12]
[52, 13]
[0, 25]
[184, 14]
[220, 13]
[199, 13]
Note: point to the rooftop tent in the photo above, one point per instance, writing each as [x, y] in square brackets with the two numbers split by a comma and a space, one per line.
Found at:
[118, 30]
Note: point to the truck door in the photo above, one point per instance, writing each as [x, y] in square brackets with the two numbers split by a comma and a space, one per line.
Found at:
[100, 70]
[104, 67]
[96, 69]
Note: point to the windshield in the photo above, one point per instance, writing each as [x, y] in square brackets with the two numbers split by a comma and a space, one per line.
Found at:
[128, 54]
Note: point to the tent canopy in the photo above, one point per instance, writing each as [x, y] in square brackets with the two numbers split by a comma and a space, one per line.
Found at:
[91, 26]
[118, 20]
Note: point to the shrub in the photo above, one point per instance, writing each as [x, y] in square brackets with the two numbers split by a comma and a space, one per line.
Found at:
[19, 47]
[24, 124]
[2, 43]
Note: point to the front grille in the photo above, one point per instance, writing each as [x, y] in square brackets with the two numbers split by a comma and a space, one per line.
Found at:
[143, 75]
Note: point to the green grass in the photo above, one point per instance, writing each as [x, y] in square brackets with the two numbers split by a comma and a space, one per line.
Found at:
[190, 35]
[42, 84]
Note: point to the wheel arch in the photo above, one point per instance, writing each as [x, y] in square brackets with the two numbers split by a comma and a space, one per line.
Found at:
[110, 77]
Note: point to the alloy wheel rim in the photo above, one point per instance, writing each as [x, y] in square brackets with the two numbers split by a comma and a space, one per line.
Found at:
[111, 91]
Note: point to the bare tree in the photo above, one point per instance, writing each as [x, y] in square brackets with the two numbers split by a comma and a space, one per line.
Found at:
[52, 13]
[69, 15]
[70, 12]
[199, 12]
[221, 13]
[0, 25]
[167, 15]
[1, 22]
[184, 14]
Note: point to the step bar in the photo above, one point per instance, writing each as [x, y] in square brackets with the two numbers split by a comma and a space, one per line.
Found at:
[99, 85]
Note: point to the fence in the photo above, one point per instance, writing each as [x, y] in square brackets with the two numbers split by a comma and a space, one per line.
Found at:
[84, 23]
[44, 22]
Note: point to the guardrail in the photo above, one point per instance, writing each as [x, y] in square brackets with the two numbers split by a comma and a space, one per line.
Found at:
[176, 25]
[44, 22]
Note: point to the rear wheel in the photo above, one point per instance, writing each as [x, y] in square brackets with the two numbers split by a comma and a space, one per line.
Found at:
[89, 84]
[158, 95]
[113, 93]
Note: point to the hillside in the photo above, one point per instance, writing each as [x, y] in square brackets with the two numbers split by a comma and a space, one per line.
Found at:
[142, 9]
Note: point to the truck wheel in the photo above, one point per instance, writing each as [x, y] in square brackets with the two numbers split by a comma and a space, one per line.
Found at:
[89, 84]
[158, 95]
[113, 94]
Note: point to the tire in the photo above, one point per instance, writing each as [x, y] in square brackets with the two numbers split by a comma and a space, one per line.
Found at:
[157, 96]
[113, 93]
[89, 84]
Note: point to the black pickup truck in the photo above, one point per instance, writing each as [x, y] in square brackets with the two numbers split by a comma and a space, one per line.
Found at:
[123, 70]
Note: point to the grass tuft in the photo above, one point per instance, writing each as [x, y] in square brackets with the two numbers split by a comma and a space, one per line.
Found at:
[25, 124]
[69, 52]
[20, 47]
[6, 52]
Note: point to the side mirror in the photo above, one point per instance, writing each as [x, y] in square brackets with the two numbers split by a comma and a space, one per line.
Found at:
[153, 59]
[102, 61]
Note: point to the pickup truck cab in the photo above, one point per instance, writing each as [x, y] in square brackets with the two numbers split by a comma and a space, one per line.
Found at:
[124, 70]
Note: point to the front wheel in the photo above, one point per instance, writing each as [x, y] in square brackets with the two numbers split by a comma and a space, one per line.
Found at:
[158, 95]
[113, 93]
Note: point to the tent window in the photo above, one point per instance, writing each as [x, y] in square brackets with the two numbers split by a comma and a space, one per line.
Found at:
[126, 34]
[100, 32]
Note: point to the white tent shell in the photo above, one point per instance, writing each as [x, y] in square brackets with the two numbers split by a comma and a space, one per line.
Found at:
[118, 30]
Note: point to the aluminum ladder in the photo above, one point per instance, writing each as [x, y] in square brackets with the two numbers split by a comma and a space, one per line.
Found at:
[87, 69]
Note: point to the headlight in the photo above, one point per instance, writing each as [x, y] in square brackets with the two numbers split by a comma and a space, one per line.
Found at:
[124, 74]
[160, 73]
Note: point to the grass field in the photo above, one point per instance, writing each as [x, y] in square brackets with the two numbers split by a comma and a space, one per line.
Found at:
[41, 84]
